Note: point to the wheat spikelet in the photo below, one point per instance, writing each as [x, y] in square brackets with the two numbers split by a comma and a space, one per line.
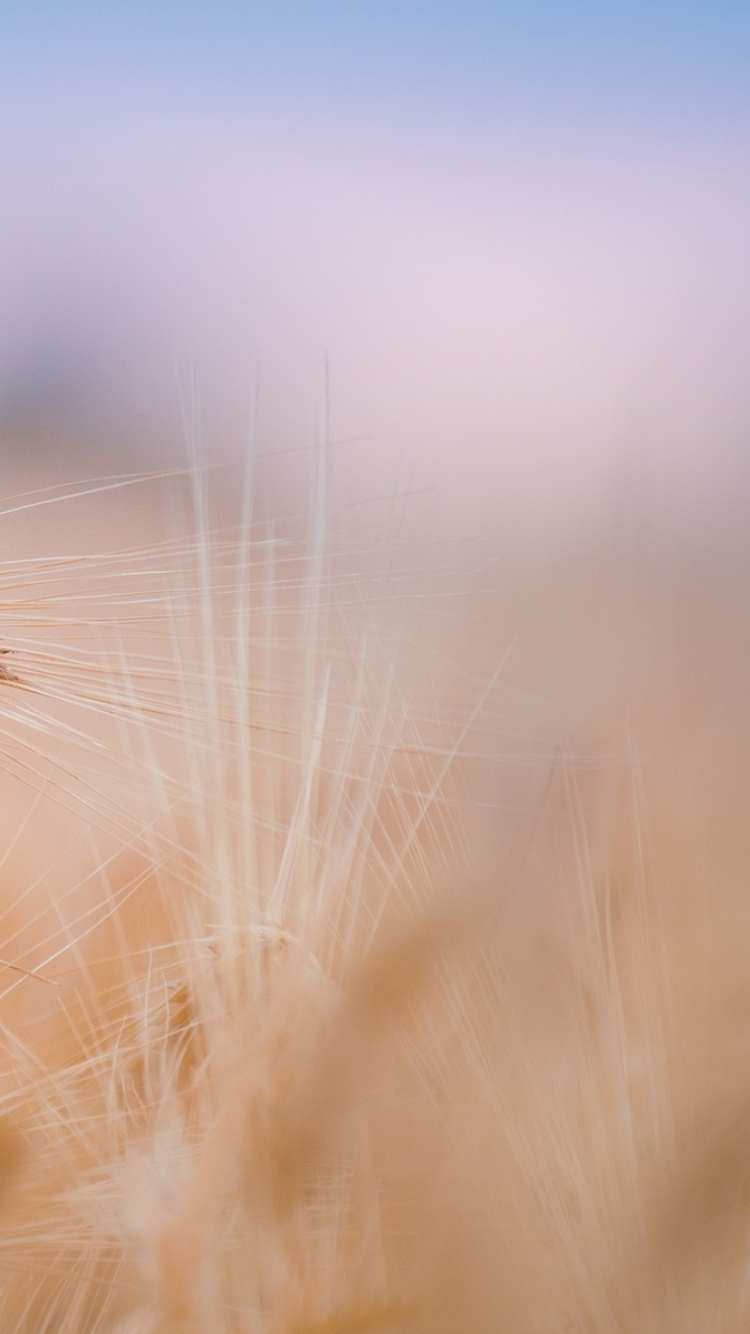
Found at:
[296, 1041]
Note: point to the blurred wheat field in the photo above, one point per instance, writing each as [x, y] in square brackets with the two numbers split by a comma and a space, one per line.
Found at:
[374, 926]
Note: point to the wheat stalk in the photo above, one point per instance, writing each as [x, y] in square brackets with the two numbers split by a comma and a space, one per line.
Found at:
[291, 1042]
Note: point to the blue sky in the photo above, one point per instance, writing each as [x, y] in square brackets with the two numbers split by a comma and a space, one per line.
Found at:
[517, 230]
[542, 56]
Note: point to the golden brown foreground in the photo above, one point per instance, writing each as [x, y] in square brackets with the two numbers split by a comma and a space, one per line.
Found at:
[375, 927]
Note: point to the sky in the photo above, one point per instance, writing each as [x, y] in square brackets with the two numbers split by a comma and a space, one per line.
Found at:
[466, 57]
[516, 234]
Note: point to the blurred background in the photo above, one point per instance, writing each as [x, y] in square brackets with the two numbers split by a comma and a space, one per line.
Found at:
[516, 232]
